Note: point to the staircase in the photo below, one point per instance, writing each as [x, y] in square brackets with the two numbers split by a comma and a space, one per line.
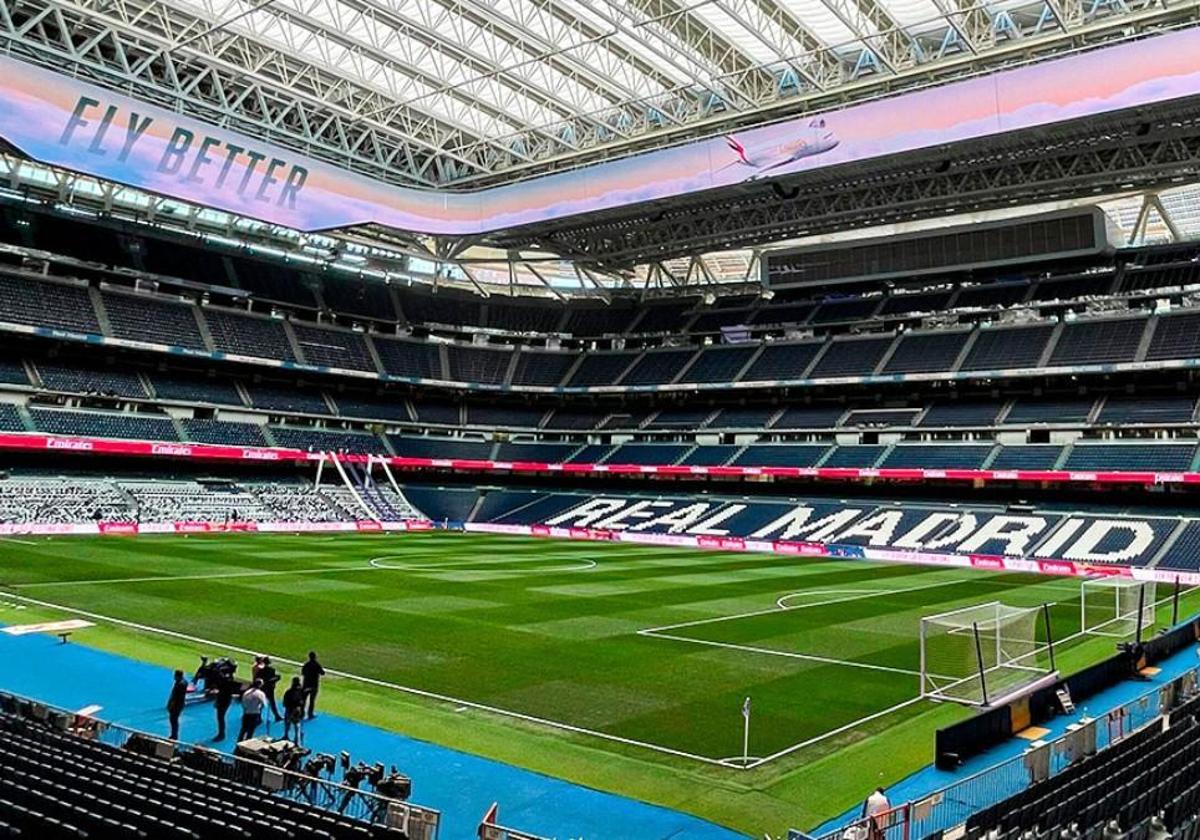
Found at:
[387, 509]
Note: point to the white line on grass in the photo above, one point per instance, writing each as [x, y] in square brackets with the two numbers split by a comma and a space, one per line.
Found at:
[417, 692]
[772, 652]
[779, 608]
[372, 566]
[22, 542]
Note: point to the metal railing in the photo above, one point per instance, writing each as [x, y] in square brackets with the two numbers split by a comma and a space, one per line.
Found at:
[418, 822]
[956, 803]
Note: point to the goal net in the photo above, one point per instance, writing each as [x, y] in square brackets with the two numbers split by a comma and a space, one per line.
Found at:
[1116, 607]
[980, 654]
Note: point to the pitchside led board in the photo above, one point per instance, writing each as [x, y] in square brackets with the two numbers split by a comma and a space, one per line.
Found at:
[75, 125]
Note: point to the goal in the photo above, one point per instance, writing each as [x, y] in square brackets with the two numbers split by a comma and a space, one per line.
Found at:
[978, 655]
[1116, 607]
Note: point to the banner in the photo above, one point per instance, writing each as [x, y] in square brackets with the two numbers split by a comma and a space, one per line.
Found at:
[76, 125]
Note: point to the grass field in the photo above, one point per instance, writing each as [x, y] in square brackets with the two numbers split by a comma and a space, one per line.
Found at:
[618, 666]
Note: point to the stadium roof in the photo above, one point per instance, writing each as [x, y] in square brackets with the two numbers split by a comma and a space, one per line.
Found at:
[473, 92]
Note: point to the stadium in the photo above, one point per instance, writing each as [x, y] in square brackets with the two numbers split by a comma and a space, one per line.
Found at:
[606, 419]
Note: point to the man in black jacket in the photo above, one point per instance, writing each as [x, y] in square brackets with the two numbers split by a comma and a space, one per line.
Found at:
[293, 709]
[175, 703]
[270, 678]
[225, 689]
[312, 673]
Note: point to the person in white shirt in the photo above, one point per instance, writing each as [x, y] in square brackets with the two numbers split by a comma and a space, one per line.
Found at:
[254, 700]
[876, 806]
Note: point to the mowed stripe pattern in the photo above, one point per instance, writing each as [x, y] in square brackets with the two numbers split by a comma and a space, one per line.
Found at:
[549, 628]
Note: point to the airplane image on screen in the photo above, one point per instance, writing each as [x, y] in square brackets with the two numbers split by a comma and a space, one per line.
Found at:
[815, 139]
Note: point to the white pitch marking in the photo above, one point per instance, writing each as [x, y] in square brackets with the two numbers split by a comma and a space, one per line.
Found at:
[771, 652]
[777, 608]
[500, 566]
[416, 692]
[14, 539]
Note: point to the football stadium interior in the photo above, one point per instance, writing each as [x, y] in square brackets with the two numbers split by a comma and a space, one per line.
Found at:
[606, 419]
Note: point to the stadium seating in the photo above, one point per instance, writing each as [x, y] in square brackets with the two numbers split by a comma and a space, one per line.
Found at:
[574, 419]
[593, 453]
[1149, 773]
[708, 456]
[1008, 348]
[1123, 411]
[601, 368]
[1101, 341]
[926, 352]
[143, 318]
[545, 453]
[333, 348]
[544, 369]
[1047, 411]
[10, 419]
[1175, 337]
[435, 447]
[57, 785]
[474, 364]
[851, 357]
[441, 414]
[46, 304]
[103, 424]
[79, 378]
[1130, 456]
[1034, 457]
[854, 456]
[193, 388]
[1184, 552]
[327, 440]
[648, 453]
[13, 372]
[951, 414]
[657, 366]
[880, 418]
[248, 335]
[409, 359]
[383, 407]
[945, 456]
[281, 398]
[512, 417]
[780, 455]
[685, 419]
[781, 362]
[222, 433]
[810, 417]
[33, 500]
[720, 364]
[743, 418]
[186, 501]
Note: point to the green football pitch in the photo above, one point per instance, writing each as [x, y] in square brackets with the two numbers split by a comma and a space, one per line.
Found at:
[620, 666]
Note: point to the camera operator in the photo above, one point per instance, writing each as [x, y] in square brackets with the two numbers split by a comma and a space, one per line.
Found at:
[253, 703]
[175, 702]
[312, 673]
[293, 709]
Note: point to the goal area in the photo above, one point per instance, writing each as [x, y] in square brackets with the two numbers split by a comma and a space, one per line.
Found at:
[980, 655]
[1120, 608]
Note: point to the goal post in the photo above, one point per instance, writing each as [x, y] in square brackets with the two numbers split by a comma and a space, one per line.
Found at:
[1120, 608]
[977, 655]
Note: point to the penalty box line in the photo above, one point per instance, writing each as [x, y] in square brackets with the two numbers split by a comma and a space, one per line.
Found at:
[404, 689]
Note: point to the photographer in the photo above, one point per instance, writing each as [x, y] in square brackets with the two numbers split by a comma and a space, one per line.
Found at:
[293, 709]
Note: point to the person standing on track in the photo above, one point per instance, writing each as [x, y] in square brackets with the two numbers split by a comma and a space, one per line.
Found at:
[253, 703]
[293, 710]
[312, 672]
[175, 703]
[225, 689]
